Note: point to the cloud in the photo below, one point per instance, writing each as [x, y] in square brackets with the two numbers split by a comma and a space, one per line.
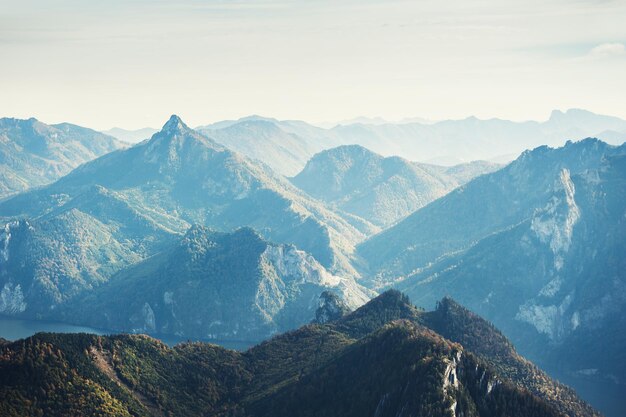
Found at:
[608, 50]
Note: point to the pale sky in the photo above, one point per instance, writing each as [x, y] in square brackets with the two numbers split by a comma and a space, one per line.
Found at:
[133, 63]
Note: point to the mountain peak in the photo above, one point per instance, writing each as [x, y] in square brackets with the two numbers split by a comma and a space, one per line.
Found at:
[573, 113]
[331, 307]
[352, 148]
[10, 122]
[556, 113]
[341, 152]
[388, 306]
[448, 303]
[174, 125]
[256, 117]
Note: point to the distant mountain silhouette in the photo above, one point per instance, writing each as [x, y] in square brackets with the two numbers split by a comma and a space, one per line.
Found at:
[33, 153]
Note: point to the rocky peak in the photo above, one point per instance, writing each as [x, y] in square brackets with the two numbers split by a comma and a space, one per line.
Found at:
[10, 122]
[175, 125]
[330, 308]
[31, 133]
[576, 156]
[556, 114]
[570, 115]
[177, 145]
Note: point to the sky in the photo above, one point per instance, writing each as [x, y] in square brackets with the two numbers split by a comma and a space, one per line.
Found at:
[132, 63]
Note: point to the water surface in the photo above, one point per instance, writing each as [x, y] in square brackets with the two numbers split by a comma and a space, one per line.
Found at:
[14, 329]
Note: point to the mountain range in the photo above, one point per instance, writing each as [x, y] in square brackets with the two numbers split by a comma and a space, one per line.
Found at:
[381, 190]
[287, 145]
[385, 359]
[473, 138]
[180, 235]
[284, 145]
[538, 248]
[33, 153]
[74, 234]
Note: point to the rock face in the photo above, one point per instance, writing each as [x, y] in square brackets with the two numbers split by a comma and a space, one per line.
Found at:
[12, 299]
[384, 359]
[128, 205]
[33, 153]
[554, 223]
[330, 308]
[538, 248]
[212, 285]
[380, 190]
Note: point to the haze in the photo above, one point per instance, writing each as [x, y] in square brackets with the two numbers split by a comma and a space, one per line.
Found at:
[133, 63]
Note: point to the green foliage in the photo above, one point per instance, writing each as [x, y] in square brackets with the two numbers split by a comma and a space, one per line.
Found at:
[380, 359]
[460, 325]
[389, 306]
[53, 375]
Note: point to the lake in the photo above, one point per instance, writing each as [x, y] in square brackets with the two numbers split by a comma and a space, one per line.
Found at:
[13, 329]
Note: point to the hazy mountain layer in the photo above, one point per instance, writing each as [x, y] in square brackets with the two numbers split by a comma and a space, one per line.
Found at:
[474, 139]
[265, 141]
[380, 190]
[287, 145]
[380, 360]
[33, 153]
